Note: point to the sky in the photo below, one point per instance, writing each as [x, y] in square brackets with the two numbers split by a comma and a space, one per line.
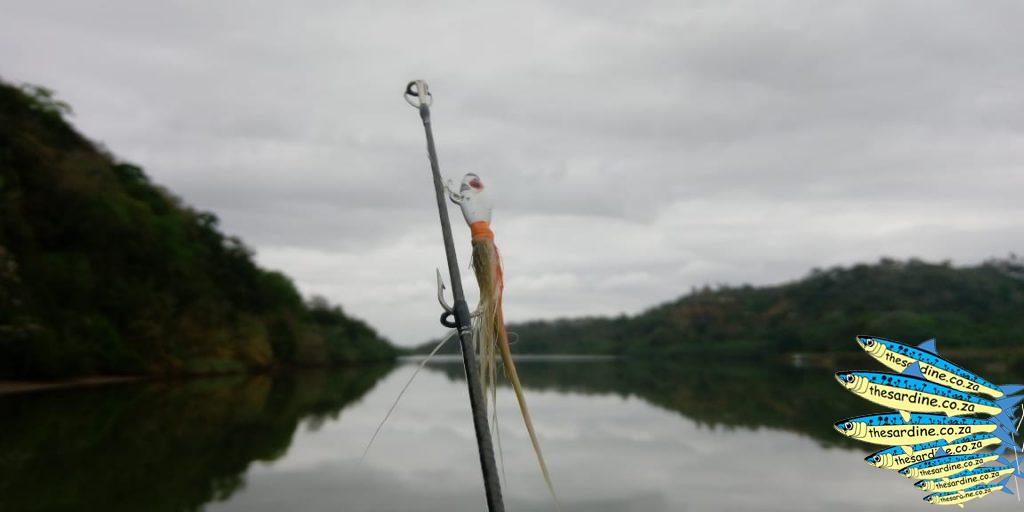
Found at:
[634, 150]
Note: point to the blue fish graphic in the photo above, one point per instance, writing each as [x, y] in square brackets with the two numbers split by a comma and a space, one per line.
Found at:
[898, 356]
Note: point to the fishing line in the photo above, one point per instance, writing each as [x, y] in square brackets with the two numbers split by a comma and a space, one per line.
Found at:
[423, 363]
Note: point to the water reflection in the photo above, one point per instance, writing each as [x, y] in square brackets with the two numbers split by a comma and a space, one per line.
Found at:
[167, 446]
[619, 435]
[730, 395]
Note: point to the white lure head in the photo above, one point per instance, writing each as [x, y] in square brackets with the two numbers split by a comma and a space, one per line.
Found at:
[475, 203]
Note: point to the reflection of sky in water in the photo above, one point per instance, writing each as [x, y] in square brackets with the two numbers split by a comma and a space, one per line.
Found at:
[606, 453]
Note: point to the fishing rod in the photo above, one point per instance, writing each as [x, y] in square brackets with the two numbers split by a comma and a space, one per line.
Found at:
[458, 317]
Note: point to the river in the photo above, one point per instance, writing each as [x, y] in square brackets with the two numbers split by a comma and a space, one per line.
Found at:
[618, 436]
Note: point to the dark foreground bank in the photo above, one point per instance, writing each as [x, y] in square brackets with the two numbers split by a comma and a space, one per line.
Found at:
[104, 272]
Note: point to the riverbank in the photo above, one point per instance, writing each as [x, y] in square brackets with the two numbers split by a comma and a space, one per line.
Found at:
[977, 360]
[27, 386]
[21, 386]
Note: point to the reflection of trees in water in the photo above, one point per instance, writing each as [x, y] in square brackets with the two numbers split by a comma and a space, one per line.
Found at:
[159, 446]
[735, 394]
[177, 446]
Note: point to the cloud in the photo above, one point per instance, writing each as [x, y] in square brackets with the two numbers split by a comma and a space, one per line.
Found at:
[634, 151]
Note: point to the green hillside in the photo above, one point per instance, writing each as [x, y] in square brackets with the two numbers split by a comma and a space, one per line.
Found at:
[102, 271]
[970, 309]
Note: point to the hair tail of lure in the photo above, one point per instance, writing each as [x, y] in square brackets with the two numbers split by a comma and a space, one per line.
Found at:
[491, 336]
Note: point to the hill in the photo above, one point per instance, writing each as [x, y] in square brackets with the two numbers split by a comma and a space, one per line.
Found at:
[102, 271]
[973, 308]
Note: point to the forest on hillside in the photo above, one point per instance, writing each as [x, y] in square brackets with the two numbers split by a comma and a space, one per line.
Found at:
[104, 272]
[969, 309]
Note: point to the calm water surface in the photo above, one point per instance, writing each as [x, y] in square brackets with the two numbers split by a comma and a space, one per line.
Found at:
[618, 436]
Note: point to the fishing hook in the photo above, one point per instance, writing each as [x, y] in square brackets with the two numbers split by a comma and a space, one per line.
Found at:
[448, 317]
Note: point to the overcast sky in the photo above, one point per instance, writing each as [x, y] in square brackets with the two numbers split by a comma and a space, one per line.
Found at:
[634, 149]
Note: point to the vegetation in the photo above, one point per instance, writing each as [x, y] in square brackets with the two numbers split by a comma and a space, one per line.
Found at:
[160, 446]
[968, 308]
[102, 271]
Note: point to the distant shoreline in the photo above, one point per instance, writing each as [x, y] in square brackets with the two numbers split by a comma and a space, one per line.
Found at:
[22, 386]
[451, 358]
[990, 359]
[29, 386]
[8, 387]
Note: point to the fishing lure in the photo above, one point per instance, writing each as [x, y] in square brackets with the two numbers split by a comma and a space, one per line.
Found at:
[898, 357]
[898, 457]
[490, 336]
[966, 479]
[947, 465]
[971, 493]
[904, 392]
[904, 429]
